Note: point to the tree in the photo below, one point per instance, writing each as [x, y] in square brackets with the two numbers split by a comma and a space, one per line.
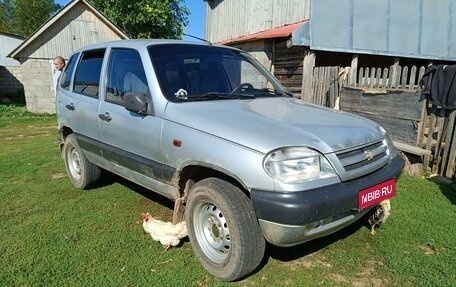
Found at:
[23, 17]
[30, 15]
[146, 18]
[6, 17]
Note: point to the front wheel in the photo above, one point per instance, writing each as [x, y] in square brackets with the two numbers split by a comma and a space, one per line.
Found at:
[82, 173]
[223, 229]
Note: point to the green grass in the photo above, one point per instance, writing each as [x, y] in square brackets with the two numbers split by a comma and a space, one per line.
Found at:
[54, 235]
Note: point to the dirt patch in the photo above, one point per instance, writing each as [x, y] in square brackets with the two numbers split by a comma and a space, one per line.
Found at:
[34, 134]
[338, 278]
[427, 249]
[58, 175]
[366, 277]
[309, 261]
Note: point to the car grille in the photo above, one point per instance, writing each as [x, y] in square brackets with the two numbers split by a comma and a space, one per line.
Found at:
[364, 159]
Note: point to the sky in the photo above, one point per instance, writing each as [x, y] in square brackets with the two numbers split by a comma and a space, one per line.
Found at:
[196, 18]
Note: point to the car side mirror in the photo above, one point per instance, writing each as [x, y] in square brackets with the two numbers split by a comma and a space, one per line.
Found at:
[135, 102]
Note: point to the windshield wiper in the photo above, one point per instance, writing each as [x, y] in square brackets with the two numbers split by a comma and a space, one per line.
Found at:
[268, 91]
[219, 96]
[278, 93]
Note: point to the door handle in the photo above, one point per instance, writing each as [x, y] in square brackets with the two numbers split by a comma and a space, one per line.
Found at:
[105, 117]
[71, 107]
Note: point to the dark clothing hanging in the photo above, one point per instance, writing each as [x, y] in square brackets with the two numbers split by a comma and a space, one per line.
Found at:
[438, 85]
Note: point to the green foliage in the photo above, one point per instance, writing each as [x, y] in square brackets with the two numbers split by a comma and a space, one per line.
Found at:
[54, 235]
[146, 18]
[23, 17]
[6, 10]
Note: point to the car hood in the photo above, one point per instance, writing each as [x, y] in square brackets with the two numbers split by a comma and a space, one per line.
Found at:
[265, 124]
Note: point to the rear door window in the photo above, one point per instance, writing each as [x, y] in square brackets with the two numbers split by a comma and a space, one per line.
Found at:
[68, 72]
[87, 76]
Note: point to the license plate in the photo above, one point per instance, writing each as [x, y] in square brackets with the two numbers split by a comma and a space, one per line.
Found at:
[376, 194]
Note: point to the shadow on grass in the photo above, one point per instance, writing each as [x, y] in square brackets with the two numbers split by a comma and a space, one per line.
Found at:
[107, 178]
[287, 254]
[447, 187]
[294, 252]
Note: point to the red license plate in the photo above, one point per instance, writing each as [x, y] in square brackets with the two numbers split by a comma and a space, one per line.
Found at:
[376, 194]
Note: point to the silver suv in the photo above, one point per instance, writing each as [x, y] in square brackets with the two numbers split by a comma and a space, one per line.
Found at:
[211, 129]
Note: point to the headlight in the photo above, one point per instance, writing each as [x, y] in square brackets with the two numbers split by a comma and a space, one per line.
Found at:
[297, 164]
[391, 148]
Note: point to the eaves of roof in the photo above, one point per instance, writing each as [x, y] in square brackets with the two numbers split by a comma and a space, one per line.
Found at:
[59, 15]
[12, 35]
[278, 32]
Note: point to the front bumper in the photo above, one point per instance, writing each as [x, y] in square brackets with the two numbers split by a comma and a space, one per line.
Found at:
[290, 218]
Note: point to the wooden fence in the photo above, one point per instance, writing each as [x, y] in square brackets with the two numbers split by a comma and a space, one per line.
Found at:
[431, 135]
[396, 77]
[325, 88]
[439, 137]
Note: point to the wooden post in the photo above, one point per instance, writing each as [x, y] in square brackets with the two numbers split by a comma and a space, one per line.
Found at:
[412, 85]
[430, 135]
[307, 76]
[353, 71]
[451, 145]
[395, 74]
[447, 161]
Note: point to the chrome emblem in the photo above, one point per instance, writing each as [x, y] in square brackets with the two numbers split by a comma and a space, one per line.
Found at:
[370, 154]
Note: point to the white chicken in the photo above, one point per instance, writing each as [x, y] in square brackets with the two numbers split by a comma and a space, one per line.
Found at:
[166, 233]
[380, 215]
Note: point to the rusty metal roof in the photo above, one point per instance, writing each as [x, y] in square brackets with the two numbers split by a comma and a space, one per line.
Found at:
[278, 32]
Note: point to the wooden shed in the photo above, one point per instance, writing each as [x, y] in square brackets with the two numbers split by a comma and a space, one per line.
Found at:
[74, 26]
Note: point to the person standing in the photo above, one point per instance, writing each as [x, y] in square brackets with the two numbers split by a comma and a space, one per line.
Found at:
[59, 63]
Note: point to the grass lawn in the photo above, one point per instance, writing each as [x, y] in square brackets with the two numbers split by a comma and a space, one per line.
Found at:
[54, 235]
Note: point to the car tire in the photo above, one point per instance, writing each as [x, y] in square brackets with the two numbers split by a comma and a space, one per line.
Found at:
[223, 229]
[82, 173]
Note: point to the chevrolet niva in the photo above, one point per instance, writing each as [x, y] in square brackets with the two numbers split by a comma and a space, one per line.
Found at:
[211, 129]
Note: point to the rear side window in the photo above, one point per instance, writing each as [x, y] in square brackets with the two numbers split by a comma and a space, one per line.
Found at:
[68, 72]
[87, 76]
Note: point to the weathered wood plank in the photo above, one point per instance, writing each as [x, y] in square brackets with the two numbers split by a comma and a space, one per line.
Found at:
[401, 130]
[422, 124]
[404, 78]
[412, 81]
[307, 77]
[449, 145]
[441, 125]
[395, 104]
[429, 135]
[352, 81]
[361, 78]
[385, 78]
[411, 149]
[449, 172]
[378, 78]
[421, 73]
[372, 78]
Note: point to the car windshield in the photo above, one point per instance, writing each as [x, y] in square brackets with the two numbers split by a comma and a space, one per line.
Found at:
[196, 72]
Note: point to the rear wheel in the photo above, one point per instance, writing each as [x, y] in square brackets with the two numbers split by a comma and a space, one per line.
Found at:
[223, 229]
[82, 173]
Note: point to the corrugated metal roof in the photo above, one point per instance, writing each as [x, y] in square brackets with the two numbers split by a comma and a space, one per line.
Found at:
[283, 31]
